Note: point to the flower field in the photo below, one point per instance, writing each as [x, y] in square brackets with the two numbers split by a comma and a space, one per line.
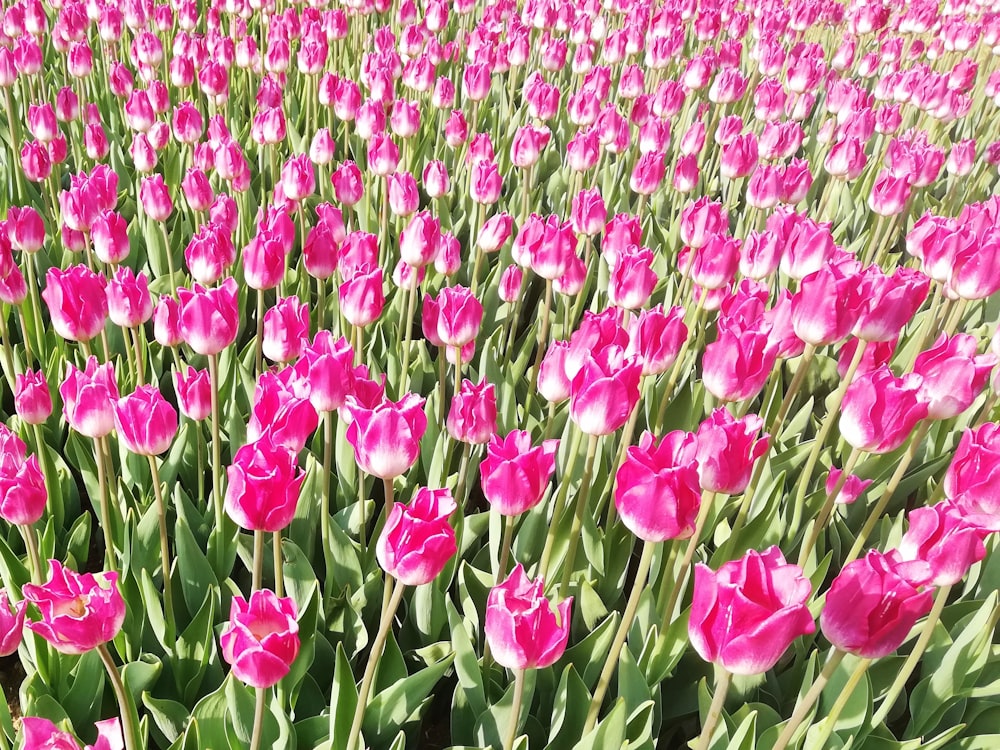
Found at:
[552, 375]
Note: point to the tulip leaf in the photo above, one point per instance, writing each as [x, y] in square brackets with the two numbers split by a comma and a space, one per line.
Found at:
[197, 578]
[632, 686]
[492, 725]
[390, 709]
[343, 700]
[194, 649]
[169, 717]
[609, 733]
[569, 713]
[153, 609]
[308, 616]
[587, 656]
[956, 674]
[391, 666]
[83, 699]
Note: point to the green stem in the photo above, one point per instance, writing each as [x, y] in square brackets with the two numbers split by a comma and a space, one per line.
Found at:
[325, 497]
[894, 480]
[384, 627]
[258, 560]
[793, 389]
[279, 565]
[913, 659]
[838, 707]
[681, 580]
[543, 335]
[832, 415]
[515, 710]
[213, 370]
[723, 678]
[30, 536]
[581, 506]
[102, 484]
[130, 724]
[621, 635]
[258, 719]
[557, 505]
[161, 511]
[806, 704]
[407, 324]
[675, 372]
[827, 510]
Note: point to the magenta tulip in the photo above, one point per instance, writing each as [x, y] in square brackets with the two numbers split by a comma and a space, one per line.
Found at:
[146, 423]
[264, 484]
[261, 639]
[515, 473]
[418, 540]
[386, 437]
[880, 410]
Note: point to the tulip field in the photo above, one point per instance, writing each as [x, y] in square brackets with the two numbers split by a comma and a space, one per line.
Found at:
[525, 374]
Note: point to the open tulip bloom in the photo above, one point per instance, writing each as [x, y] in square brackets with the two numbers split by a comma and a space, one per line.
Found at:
[370, 302]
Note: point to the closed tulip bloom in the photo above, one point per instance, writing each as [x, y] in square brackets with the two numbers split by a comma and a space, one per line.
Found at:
[595, 332]
[827, 305]
[632, 278]
[11, 624]
[515, 473]
[495, 232]
[328, 365]
[648, 173]
[871, 607]
[155, 197]
[553, 383]
[261, 639]
[298, 179]
[714, 264]
[764, 187]
[972, 477]
[348, 185]
[386, 437]
[701, 220]
[739, 158]
[88, 398]
[109, 234]
[655, 338]
[460, 315]
[32, 399]
[728, 448]
[737, 364]
[623, 231]
[418, 540]
[264, 486]
[419, 241]
[13, 288]
[449, 257]
[129, 302]
[511, 281]
[167, 322]
[808, 245]
[77, 302]
[889, 194]
[25, 229]
[79, 612]
[403, 196]
[22, 492]
[604, 391]
[890, 302]
[194, 393]
[485, 183]
[846, 159]
[264, 261]
[435, 179]
[523, 629]
[942, 537]
[656, 488]
[209, 318]
[286, 330]
[362, 296]
[880, 410]
[473, 415]
[853, 487]
[589, 212]
[976, 270]
[745, 615]
[281, 408]
[953, 374]
[146, 423]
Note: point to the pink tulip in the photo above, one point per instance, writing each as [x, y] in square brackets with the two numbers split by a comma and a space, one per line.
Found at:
[953, 374]
[362, 295]
[32, 399]
[146, 423]
[298, 180]
[209, 318]
[737, 364]
[701, 220]
[554, 384]
[808, 245]
[281, 408]
[328, 365]
[515, 474]
[79, 612]
[890, 302]
[286, 330]
[727, 450]
[656, 488]
[88, 398]
[11, 625]
[194, 393]
[25, 229]
[167, 322]
[419, 241]
[264, 485]
[22, 491]
[386, 436]
[261, 639]
[485, 182]
[403, 196]
[880, 410]
[656, 337]
[473, 415]
[348, 185]
[77, 302]
[264, 261]
[494, 233]
[604, 391]
[714, 264]
[129, 302]
[853, 488]
[523, 629]
[155, 197]
[745, 615]
[632, 278]
[435, 179]
[109, 234]
[946, 540]
[871, 607]
[648, 173]
[460, 315]
[828, 304]
[972, 477]
[209, 253]
[589, 213]
[417, 540]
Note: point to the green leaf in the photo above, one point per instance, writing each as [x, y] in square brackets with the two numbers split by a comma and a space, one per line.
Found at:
[610, 733]
[343, 700]
[389, 710]
[197, 579]
[169, 717]
[569, 712]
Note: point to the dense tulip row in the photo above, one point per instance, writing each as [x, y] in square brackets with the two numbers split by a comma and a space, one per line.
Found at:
[387, 374]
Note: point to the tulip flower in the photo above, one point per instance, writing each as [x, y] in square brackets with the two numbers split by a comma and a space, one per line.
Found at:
[78, 305]
[727, 450]
[88, 398]
[261, 638]
[418, 540]
[146, 423]
[942, 537]
[209, 318]
[11, 624]
[879, 410]
[953, 374]
[386, 436]
[194, 393]
[264, 484]
[472, 418]
[32, 399]
[972, 477]
[604, 391]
